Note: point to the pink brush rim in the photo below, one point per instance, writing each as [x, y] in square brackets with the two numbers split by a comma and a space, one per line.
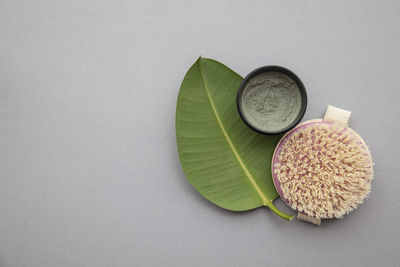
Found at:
[281, 143]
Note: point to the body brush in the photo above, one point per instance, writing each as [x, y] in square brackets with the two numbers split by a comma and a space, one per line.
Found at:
[322, 168]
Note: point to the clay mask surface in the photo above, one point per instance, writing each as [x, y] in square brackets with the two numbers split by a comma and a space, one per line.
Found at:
[271, 101]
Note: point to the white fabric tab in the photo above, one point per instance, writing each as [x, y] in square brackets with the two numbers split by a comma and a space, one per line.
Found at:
[337, 115]
[309, 219]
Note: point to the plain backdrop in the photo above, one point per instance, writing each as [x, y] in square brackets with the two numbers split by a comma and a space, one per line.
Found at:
[89, 173]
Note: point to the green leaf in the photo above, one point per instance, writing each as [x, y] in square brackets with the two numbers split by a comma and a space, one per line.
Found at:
[225, 161]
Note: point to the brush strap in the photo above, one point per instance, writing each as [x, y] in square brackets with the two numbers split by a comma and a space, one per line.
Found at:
[337, 115]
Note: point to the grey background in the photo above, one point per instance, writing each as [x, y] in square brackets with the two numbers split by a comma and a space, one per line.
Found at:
[89, 173]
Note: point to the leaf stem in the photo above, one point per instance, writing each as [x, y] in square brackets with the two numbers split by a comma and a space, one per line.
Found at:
[280, 213]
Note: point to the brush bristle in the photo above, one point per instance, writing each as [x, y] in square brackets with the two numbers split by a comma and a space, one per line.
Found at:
[325, 170]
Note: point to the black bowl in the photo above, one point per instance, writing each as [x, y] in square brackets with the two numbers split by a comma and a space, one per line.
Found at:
[282, 70]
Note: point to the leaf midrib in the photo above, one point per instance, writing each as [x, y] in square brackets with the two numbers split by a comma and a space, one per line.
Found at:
[229, 141]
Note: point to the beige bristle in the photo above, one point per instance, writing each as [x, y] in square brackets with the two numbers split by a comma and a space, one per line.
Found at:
[325, 171]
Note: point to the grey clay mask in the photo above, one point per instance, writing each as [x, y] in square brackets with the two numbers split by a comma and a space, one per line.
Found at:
[271, 101]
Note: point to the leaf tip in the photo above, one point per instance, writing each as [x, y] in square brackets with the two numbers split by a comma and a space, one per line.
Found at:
[199, 59]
